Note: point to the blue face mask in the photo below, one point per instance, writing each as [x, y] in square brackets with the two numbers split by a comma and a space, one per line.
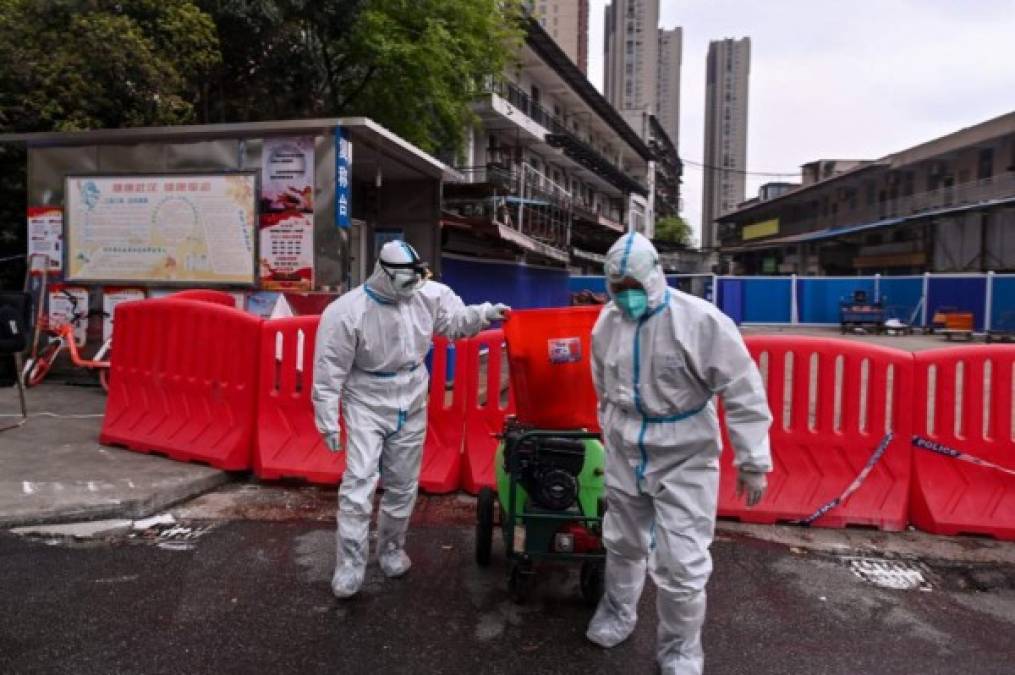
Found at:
[633, 302]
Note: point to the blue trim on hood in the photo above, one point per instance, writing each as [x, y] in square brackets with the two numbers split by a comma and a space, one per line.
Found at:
[627, 254]
[376, 297]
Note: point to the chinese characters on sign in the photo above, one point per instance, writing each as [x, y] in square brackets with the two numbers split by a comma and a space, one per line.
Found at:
[45, 235]
[343, 179]
[287, 214]
[111, 297]
[177, 228]
[69, 305]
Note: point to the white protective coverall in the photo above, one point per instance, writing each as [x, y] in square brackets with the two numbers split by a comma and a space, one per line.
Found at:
[369, 354]
[657, 379]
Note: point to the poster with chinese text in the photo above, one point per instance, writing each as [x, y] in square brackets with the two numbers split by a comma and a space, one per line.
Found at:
[111, 297]
[45, 235]
[196, 228]
[69, 305]
[287, 214]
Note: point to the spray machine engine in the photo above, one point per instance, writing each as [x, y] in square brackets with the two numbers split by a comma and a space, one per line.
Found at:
[547, 468]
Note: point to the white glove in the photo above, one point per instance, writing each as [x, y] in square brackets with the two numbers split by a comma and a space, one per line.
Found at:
[752, 484]
[497, 312]
[333, 441]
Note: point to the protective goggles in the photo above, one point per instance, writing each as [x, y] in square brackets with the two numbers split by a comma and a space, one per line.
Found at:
[407, 275]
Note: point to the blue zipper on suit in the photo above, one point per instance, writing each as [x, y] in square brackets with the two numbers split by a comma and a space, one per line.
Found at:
[647, 419]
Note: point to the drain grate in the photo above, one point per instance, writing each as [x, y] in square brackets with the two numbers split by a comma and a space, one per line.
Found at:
[903, 575]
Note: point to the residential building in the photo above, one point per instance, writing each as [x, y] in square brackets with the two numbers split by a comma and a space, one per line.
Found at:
[822, 169]
[947, 205]
[726, 87]
[768, 191]
[669, 169]
[554, 174]
[668, 82]
[631, 54]
[567, 22]
[775, 189]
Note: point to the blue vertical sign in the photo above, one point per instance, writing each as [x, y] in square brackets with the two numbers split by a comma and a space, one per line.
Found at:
[343, 179]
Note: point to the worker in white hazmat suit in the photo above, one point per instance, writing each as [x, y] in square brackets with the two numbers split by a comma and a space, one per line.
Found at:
[659, 360]
[369, 355]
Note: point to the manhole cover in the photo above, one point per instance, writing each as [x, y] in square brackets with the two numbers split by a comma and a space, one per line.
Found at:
[903, 575]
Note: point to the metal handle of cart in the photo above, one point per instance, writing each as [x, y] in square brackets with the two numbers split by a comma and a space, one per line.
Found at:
[509, 521]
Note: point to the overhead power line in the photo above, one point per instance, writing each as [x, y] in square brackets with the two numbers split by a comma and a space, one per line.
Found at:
[773, 174]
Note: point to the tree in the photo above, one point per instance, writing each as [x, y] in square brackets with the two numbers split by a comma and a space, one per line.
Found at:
[673, 229]
[414, 66]
[85, 64]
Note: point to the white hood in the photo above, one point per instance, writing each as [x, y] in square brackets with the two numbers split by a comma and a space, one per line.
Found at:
[634, 256]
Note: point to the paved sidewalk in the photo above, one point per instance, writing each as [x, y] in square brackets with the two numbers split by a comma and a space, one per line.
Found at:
[53, 469]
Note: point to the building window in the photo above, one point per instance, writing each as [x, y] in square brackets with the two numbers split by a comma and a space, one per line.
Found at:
[986, 164]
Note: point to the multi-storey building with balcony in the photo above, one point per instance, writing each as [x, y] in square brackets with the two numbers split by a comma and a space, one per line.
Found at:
[947, 205]
[553, 174]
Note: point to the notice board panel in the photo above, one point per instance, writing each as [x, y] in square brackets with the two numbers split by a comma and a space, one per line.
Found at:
[162, 229]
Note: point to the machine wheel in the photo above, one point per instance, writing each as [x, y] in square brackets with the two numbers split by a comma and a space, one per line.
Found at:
[592, 581]
[484, 525]
[520, 583]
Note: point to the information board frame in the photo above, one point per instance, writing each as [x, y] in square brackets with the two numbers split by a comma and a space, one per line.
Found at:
[250, 281]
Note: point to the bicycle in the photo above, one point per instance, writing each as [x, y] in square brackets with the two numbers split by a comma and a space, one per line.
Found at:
[61, 336]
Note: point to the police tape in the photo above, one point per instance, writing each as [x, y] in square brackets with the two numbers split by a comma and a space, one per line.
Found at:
[945, 451]
[857, 482]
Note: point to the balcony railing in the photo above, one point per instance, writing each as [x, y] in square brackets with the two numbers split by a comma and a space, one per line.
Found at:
[493, 174]
[524, 102]
[587, 156]
[597, 213]
[535, 207]
[560, 136]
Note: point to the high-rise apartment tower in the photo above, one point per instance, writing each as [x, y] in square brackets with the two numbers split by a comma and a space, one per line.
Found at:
[724, 182]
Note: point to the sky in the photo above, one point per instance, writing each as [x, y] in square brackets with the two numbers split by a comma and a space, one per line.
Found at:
[837, 80]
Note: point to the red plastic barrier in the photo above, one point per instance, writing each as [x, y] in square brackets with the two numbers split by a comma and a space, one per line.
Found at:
[816, 459]
[288, 443]
[951, 496]
[206, 295]
[184, 377]
[550, 355]
[483, 418]
[442, 454]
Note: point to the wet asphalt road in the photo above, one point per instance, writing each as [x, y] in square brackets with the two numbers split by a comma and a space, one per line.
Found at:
[254, 597]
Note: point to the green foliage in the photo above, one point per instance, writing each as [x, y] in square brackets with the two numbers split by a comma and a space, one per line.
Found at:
[673, 229]
[84, 64]
[412, 65]
[80, 64]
